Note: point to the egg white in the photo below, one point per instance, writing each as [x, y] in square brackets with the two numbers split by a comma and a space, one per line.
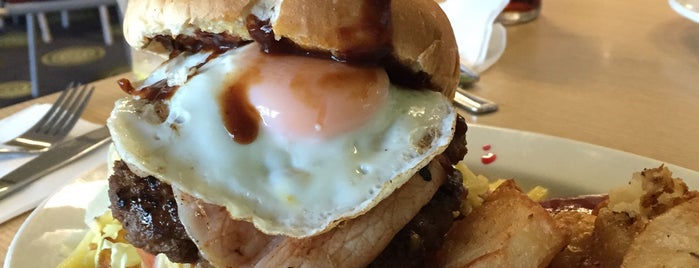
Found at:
[296, 188]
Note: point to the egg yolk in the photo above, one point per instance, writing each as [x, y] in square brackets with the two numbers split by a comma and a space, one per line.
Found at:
[303, 97]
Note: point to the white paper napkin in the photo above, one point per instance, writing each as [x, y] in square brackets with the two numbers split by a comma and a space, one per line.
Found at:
[472, 22]
[30, 196]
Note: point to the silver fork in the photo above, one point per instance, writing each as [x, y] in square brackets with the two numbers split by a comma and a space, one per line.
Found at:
[54, 125]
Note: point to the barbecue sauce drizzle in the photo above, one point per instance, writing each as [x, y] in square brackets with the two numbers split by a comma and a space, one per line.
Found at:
[241, 122]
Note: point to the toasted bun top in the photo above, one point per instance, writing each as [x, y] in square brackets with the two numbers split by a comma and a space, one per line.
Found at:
[416, 34]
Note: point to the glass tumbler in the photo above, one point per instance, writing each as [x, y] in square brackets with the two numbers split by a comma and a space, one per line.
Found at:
[520, 11]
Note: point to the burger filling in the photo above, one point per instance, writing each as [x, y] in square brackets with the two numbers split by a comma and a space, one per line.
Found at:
[148, 211]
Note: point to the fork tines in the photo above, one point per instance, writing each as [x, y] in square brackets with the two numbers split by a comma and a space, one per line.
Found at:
[59, 118]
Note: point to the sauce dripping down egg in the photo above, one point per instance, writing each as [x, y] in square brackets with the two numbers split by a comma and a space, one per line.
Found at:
[300, 97]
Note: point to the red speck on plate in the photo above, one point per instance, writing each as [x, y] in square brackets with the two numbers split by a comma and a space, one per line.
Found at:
[488, 158]
[486, 147]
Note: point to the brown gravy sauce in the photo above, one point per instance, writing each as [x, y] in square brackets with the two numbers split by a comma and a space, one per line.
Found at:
[584, 203]
[218, 43]
[157, 91]
[241, 119]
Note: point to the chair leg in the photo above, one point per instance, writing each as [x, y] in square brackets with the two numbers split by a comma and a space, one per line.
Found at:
[44, 26]
[65, 20]
[106, 30]
[31, 47]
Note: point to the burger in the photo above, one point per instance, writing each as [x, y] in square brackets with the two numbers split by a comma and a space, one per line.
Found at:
[291, 133]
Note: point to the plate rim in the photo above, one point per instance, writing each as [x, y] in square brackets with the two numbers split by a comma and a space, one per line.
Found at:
[680, 8]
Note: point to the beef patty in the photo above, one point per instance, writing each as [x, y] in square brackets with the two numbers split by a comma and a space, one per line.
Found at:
[147, 210]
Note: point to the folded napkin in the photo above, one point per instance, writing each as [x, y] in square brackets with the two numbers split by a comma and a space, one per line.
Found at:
[33, 194]
[472, 22]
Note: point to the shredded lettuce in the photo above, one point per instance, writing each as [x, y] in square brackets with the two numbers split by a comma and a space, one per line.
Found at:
[104, 246]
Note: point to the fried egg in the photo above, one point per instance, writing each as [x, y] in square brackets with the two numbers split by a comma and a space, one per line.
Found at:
[293, 144]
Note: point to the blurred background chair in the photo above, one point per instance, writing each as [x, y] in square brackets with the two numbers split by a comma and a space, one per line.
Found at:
[44, 27]
[39, 9]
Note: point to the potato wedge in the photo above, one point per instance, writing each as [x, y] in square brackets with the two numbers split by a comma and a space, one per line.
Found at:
[669, 240]
[508, 230]
[580, 226]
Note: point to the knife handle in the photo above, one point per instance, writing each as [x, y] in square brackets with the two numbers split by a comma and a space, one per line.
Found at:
[58, 156]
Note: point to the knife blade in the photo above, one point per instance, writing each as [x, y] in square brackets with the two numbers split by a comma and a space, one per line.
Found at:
[473, 104]
[58, 156]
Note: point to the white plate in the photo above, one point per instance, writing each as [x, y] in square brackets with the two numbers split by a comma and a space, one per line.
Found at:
[687, 8]
[566, 167]
[52, 231]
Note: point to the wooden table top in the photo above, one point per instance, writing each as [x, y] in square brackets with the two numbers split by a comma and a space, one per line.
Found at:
[618, 74]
